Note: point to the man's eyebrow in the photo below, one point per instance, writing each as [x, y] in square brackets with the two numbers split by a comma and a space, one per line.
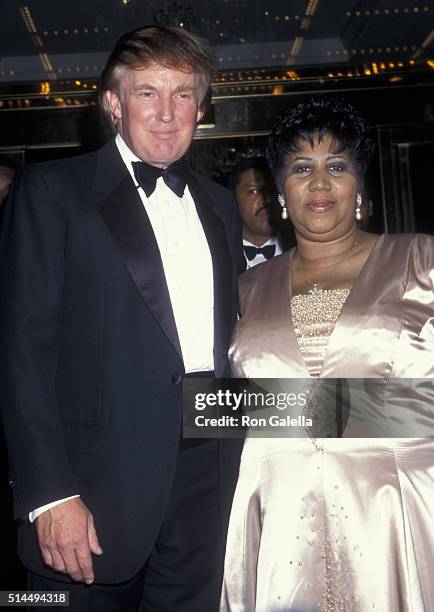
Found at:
[146, 86]
[149, 87]
[185, 87]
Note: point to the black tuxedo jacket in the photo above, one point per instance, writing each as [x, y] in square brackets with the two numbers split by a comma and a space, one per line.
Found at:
[91, 371]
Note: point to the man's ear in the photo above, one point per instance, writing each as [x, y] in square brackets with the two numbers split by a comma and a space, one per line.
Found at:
[205, 104]
[114, 104]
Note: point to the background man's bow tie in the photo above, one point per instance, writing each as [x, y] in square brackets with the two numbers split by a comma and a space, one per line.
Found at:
[267, 251]
[175, 176]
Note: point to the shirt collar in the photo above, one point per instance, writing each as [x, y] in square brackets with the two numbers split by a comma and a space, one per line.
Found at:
[272, 240]
[127, 155]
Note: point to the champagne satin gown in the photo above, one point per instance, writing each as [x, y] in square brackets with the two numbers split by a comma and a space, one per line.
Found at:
[340, 524]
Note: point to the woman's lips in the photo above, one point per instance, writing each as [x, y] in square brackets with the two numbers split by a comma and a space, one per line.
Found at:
[320, 205]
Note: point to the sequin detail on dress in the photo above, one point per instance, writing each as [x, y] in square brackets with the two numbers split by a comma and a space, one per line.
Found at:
[314, 316]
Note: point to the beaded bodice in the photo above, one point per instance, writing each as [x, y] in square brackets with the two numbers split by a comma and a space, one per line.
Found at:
[314, 316]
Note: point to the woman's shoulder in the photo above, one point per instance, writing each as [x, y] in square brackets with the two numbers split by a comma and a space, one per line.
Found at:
[263, 270]
[403, 245]
[411, 240]
[416, 250]
[263, 273]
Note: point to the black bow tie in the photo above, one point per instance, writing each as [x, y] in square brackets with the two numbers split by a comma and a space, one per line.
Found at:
[267, 251]
[175, 176]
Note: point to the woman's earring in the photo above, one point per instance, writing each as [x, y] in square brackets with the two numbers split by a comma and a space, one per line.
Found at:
[283, 212]
[359, 202]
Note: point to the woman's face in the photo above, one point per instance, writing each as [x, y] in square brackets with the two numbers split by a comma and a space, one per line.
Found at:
[320, 191]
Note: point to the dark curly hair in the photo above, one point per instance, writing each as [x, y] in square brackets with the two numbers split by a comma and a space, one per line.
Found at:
[247, 163]
[311, 121]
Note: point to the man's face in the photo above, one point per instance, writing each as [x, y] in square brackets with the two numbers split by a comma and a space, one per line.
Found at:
[157, 110]
[255, 194]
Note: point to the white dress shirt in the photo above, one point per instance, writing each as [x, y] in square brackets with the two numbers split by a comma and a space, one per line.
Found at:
[188, 270]
[187, 266]
[259, 258]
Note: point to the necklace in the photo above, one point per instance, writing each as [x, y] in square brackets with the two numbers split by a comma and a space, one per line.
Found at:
[315, 288]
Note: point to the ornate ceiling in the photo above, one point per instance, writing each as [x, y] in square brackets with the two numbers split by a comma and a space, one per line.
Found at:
[52, 51]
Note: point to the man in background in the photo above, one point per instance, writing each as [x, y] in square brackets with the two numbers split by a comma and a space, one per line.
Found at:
[253, 185]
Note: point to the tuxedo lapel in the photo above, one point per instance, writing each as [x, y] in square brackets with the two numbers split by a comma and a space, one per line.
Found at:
[221, 261]
[124, 214]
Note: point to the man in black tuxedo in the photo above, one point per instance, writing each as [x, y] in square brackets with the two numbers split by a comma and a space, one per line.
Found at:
[264, 234]
[118, 279]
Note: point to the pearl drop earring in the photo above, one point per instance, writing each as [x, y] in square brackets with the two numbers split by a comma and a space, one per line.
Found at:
[359, 202]
[284, 211]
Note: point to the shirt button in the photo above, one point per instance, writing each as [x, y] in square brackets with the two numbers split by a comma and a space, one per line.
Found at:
[176, 378]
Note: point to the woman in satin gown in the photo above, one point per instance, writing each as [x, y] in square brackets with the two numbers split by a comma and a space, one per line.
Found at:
[327, 524]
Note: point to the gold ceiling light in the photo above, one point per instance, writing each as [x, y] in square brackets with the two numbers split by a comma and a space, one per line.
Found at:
[28, 19]
[296, 45]
[31, 28]
[46, 62]
[426, 43]
[428, 40]
[311, 7]
[45, 88]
